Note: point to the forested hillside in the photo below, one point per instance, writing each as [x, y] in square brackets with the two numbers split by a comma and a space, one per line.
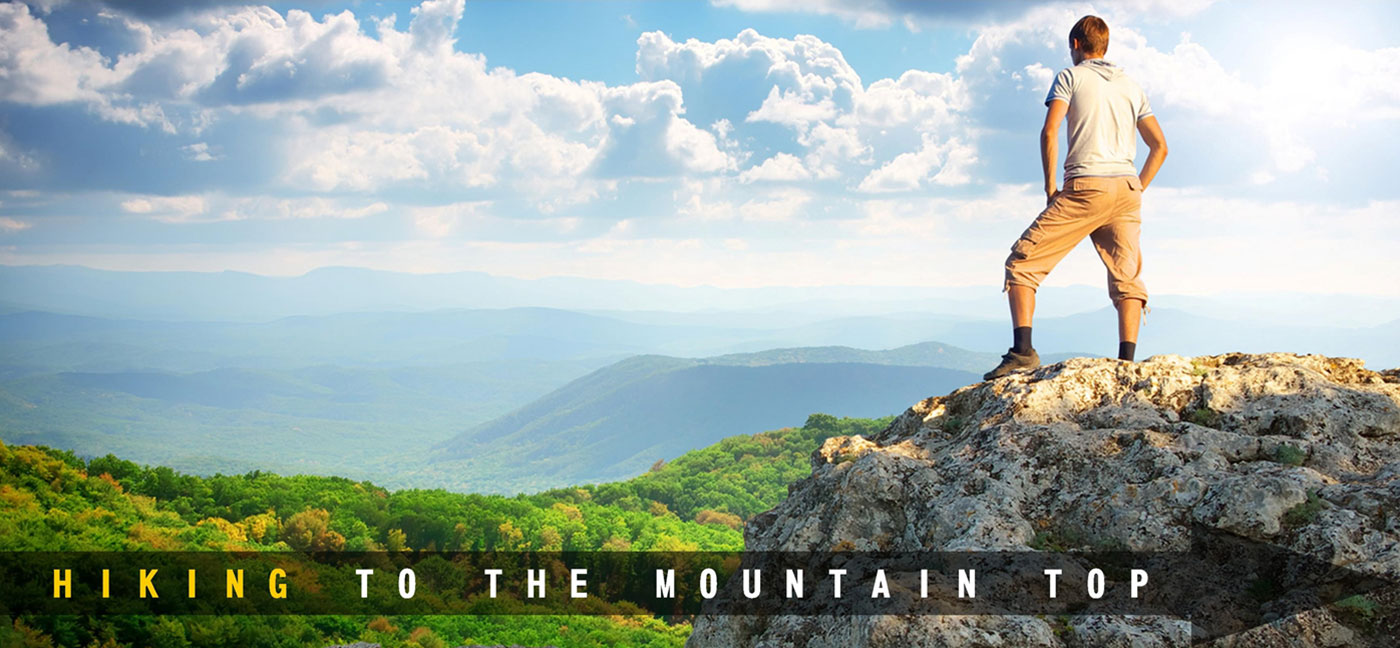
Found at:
[615, 422]
[53, 500]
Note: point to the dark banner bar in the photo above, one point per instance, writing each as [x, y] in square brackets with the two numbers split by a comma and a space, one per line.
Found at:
[1223, 585]
[753, 583]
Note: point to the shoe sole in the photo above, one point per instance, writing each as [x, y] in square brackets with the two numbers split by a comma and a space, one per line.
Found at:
[1008, 373]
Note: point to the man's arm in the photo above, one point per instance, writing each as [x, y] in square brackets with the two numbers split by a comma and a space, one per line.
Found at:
[1156, 148]
[1050, 143]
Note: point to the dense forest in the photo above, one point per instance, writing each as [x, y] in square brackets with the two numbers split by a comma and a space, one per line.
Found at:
[53, 500]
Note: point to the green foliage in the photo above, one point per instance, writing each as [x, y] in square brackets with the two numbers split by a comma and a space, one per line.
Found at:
[742, 475]
[1290, 454]
[1358, 604]
[1203, 416]
[1069, 538]
[1057, 540]
[1359, 610]
[1062, 628]
[53, 500]
[310, 530]
[1305, 512]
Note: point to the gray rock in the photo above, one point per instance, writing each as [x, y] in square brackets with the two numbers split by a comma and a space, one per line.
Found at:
[1107, 454]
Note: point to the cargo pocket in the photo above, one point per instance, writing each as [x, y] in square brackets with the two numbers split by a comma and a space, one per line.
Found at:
[1020, 250]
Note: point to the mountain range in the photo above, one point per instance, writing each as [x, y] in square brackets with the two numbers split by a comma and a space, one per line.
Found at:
[387, 376]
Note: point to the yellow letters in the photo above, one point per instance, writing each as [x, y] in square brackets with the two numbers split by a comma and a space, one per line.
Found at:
[64, 583]
[277, 589]
[146, 576]
[235, 583]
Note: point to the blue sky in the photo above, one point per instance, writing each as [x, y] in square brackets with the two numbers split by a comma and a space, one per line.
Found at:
[735, 143]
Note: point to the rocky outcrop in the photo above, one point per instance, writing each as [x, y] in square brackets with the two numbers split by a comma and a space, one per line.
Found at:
[1299, 452]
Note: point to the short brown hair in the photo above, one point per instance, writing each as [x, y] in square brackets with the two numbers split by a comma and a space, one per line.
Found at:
[1092, 33]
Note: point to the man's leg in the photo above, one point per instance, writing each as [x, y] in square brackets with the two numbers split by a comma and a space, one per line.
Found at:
[1129, 314]
[1022, 300]
[1057, 230]
[1052, 235]
[1117, 245]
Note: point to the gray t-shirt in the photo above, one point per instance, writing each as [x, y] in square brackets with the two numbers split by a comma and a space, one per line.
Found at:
[1104, 108]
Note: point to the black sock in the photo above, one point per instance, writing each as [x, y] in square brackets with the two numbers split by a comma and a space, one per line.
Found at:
[1022, 339]
[1126, 350]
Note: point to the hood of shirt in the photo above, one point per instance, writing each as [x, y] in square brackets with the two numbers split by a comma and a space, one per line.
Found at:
[1104, 69]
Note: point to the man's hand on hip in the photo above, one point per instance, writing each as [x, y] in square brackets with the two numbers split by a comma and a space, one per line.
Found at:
[1050, 193]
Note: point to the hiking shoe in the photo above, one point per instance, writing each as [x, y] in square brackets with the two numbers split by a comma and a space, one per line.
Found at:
[1013, 361]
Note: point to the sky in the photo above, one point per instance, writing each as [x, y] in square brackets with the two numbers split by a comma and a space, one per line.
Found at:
[733, 143]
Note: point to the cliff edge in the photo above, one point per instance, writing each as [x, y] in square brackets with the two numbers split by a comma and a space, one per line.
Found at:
[1296, 452]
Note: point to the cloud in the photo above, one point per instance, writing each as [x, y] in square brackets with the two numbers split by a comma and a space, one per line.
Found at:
[917, 14]
[442, 221]
[209, 208]
[837, 126]
[648, 136]
[254, 55]
[793, 109]
[781, 205]
[909, 171]
[352, 112]
[780, 167]
[315, 207]
[1004, 73]
[8, 225]
[170, 209]
[14, 158]
[154, 9]
[869, 14]
[248, 55]
[434, 23]
[199, 152]
[905, 240]
[38, 72]
[790, 81]
[753, 157]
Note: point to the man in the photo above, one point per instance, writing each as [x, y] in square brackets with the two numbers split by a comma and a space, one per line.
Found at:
[1102, 195]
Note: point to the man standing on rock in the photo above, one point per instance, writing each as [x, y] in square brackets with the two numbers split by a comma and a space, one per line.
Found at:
[1102, 195]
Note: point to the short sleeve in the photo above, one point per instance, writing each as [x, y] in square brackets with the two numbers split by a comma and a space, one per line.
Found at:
[1144, 109]
[1060, 89]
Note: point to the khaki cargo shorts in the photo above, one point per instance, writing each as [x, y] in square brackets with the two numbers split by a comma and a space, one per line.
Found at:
[1106, 209]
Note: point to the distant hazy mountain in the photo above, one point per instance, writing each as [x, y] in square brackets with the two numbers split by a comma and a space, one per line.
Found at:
[245, 297]
[337, 394]
[39, 342]
[325, 419]
[617, 421]
[71, 342]
[241, 296]
[1167, 330]
[366, 393]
